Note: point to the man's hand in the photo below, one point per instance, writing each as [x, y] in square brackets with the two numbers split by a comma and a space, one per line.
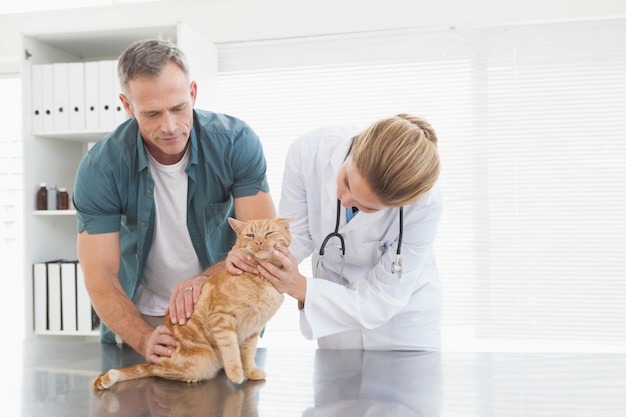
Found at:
[160, 343]
[184, 297]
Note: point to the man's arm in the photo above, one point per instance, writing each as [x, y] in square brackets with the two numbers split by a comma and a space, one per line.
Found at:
[259, 206]
[99, 256]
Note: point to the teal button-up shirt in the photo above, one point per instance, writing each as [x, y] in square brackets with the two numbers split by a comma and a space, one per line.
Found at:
[114, 190]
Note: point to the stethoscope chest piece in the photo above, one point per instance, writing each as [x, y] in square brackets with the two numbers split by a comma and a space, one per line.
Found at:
[396, 266]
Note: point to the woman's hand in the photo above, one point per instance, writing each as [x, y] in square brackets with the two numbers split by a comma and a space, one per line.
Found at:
[238, 262]
[184, 297]
[287, 278]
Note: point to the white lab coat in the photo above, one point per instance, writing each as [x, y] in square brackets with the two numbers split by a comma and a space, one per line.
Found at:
[371, 308]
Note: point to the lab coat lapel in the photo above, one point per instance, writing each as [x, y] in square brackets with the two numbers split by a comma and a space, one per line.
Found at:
[362, 221]
[335, 154]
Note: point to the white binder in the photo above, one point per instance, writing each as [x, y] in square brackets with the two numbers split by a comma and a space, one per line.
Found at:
[77, 95]
[54, 296]
[83, 303]
[92, 90]
[40, 297]
[120, 113]
[48, 101]
[37, 97]
[106, 94]
[68, 296]
[61, 96]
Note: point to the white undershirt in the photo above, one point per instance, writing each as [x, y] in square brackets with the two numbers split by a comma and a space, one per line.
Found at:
[172, 257]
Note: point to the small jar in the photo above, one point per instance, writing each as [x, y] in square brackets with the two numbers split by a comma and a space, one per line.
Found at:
[63, 199]
[42, 197]
[52, 197]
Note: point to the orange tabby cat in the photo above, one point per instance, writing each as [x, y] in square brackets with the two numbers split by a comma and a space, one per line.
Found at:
[223, 330]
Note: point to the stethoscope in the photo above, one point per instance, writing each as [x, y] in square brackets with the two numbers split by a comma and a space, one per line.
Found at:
[396, 266]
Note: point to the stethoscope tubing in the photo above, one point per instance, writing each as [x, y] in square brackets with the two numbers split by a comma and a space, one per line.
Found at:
[396, 265]
[334, 234]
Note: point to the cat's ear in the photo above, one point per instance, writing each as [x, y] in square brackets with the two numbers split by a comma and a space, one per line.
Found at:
[235, 224]
[285, 221]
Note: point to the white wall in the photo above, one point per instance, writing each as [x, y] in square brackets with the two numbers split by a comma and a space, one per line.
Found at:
[238, 20]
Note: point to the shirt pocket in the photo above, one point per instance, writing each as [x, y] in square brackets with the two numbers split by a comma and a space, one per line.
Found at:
[218, 232]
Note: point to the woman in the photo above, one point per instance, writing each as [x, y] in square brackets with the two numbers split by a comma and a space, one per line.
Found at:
[386, 174]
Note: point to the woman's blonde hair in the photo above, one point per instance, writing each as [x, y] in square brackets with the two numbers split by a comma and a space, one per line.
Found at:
[398, 158]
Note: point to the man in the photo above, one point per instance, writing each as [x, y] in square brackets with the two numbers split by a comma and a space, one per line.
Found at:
[153, 198]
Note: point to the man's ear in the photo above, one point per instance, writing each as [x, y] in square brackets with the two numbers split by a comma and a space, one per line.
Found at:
[127, 105]
[193, 90]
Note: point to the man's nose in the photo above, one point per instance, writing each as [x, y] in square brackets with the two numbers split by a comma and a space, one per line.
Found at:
[168, 123]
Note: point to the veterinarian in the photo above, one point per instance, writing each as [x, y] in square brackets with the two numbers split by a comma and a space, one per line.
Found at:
[153, 198]
[365, 204]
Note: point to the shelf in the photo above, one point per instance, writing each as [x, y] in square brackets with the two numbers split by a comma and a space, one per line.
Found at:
[67, 333]
[74, 136]
[91, 45]
[54, 212]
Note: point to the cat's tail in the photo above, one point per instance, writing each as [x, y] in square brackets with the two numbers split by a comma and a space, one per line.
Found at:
[108, 379]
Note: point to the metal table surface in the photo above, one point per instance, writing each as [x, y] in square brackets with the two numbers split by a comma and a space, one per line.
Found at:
[55, 376]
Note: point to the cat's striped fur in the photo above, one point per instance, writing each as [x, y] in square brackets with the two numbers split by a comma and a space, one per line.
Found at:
[223, 330]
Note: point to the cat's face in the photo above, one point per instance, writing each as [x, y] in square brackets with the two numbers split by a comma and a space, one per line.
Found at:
[257, 237]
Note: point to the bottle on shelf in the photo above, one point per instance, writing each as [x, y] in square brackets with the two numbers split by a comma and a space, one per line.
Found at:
[42, 197]
[52, 197]
[63, 199]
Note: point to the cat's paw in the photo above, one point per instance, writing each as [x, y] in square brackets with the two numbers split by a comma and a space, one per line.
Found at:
[255, 374]
[106, 380]
[235, 374]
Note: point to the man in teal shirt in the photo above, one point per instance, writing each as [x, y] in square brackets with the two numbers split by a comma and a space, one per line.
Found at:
[153, 198]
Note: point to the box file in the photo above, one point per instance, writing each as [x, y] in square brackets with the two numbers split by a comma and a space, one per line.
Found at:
[40, 297]
[37, 97]
[92, 90]
[106, 96]
[47, 90]
[61, 96]
[68, 296]
[120, 112]
[83, 303]
[54, 295]
[61, 303]
[77, 95]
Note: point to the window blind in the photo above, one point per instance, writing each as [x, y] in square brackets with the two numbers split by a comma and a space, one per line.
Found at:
[11, 201]
[530, 121]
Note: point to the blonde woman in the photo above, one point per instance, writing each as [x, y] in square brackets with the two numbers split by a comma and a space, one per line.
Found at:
[375, 190]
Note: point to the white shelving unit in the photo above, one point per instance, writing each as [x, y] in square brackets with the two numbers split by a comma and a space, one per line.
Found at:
[53, 156]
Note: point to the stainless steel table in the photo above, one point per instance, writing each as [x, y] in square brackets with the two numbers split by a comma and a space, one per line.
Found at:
[56, 380]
